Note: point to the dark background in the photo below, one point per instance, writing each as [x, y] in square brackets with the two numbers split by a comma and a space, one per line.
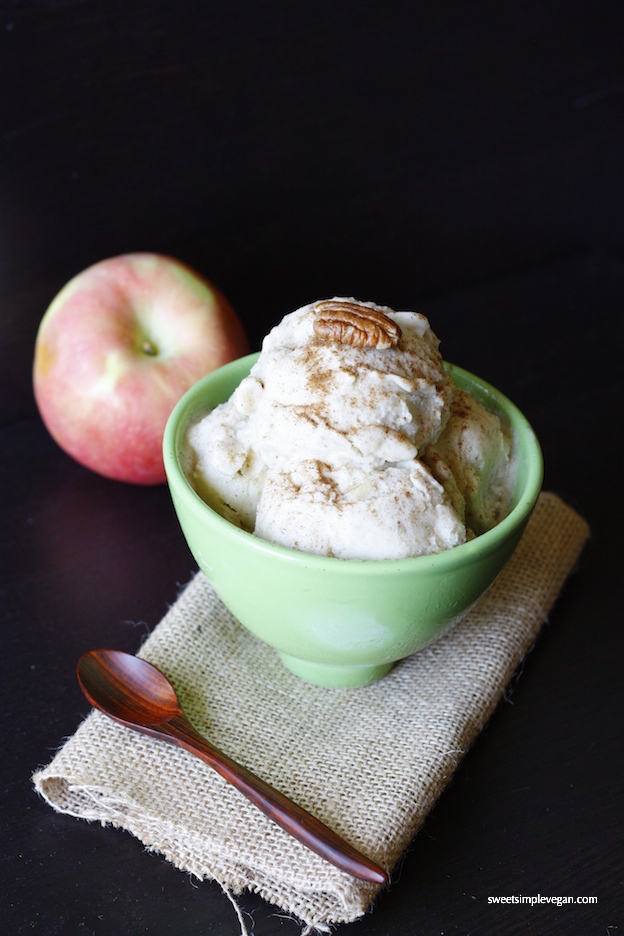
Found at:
[460, 158]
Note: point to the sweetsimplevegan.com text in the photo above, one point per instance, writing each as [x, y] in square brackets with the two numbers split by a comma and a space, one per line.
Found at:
[541, 899]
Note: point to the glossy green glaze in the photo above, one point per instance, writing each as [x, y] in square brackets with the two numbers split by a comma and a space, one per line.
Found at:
[339, 622]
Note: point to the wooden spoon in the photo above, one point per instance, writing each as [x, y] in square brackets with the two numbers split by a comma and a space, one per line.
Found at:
[136, 693]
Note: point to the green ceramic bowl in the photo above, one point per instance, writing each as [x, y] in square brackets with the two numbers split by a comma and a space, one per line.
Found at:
[338, 622]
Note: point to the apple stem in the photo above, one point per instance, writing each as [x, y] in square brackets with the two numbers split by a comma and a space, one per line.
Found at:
[148, 348]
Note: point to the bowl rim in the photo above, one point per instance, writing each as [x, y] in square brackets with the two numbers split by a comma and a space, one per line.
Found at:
[480, 547]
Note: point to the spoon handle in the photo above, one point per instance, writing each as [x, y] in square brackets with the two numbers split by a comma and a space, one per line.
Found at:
[292, 818]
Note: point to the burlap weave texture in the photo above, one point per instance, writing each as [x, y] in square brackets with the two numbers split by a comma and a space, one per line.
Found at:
[370, 762]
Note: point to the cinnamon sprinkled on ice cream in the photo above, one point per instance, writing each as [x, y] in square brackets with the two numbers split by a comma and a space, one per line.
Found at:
[349, 439]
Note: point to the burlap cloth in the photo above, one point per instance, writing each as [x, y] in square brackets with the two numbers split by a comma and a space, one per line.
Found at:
[370, 762]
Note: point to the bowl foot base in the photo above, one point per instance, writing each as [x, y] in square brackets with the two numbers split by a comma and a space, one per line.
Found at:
[334, 676]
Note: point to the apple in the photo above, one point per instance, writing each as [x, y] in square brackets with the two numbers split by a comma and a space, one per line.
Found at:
[115, 351]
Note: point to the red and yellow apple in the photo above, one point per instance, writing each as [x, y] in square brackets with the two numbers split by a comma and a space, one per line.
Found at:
[115, 351]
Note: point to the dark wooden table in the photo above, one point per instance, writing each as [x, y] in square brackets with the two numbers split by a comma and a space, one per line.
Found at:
[462, 159]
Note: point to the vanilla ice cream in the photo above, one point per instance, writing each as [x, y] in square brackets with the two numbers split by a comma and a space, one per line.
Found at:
[349, 439]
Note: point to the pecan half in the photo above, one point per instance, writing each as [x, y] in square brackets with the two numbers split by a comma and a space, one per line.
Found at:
[355, 324]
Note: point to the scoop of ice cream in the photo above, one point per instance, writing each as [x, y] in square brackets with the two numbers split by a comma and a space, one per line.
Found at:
[336, 446]
[472, 458]
[339, 402]
[223, 465]
[352, 513]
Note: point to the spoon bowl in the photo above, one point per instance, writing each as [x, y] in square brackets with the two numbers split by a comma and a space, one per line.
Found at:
[127, 688]
[137, 694]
